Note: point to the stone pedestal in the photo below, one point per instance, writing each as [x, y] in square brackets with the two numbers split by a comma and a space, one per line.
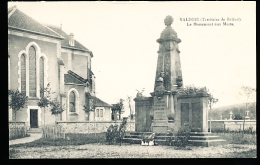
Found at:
[160, 110]
[194, 110]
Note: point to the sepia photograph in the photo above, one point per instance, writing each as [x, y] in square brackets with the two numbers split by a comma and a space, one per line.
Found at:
[131, 79]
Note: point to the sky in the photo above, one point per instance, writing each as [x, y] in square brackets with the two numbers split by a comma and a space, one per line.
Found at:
[122, 37]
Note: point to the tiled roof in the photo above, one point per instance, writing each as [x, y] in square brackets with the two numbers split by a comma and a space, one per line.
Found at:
[21, 21]
[11, 9]
[99, 103]
[74, 78]
[65, 42]
[77, 76]
[70, 79]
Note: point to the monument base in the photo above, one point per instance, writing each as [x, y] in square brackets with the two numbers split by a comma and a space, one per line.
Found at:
[161, 126]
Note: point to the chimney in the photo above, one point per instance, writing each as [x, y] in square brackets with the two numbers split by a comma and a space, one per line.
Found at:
[60, 26]
[71, 41]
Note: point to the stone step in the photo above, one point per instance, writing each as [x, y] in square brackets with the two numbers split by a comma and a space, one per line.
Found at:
[204, 137]
[138, 141]
[201, 134]
[208, 143]
[205, 143]
[140, 133]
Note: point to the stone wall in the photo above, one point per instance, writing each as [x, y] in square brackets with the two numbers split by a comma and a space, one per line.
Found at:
[14, 133]
[92, 127]
[143, 110]
[18, 124]
[231, 124]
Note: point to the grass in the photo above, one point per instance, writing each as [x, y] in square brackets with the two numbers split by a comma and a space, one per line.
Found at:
[236, 138]
[71, 139]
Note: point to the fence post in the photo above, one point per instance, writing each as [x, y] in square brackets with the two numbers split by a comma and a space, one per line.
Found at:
[52, 132]
[224, 128]
[210, 126]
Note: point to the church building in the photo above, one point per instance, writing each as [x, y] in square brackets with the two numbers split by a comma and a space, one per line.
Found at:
[41, 54]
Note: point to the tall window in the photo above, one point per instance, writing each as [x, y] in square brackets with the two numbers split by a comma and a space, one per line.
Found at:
[32, 72]
[41, 63]
[23, 74]
[72, 102]
[101, 112]
[97, 112]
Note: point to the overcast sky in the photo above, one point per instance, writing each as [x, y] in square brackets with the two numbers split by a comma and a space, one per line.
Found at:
[122, 37]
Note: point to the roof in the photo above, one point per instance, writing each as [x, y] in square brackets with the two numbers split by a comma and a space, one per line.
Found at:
[65, 42]
[74, 78]
[19, 20]
[98, 102]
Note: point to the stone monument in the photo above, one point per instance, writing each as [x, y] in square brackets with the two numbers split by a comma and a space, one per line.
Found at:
[166, 109]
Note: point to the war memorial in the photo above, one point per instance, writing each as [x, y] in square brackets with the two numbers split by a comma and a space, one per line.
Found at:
[167, 109]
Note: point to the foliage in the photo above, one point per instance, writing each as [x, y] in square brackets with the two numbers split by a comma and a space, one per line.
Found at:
[139, 93]
[238, 117]
[248, 92]
[56, 108]
[129, 98]
[17, 100]
[118, 107]
[235, 137]
[191, 89]
[71, 139]
[87, 109]
[45, 97]
[115, 134]
[182, 136]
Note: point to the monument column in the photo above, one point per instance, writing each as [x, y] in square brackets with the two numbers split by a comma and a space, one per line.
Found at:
[168, 79]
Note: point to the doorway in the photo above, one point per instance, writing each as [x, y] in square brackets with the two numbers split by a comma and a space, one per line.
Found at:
[34, 118]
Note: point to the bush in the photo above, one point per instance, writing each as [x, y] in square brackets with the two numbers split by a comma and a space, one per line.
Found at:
[183, 135]
[115, 134]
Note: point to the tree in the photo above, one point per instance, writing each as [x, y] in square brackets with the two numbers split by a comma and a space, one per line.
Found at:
[88, 109]
[247, 93]
[17, 101]
[117, 108]
[129, 104]
[45, 99]
[238, 117]
[56, 108]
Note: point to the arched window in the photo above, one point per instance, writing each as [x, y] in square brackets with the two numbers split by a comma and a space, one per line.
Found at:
[41, 63]
[72, 99]
[23, 73]
[32, 72]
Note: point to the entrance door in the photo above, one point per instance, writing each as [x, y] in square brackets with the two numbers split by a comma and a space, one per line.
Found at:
[34, 118]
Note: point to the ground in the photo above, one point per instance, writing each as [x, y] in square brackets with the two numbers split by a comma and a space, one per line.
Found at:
[99, 150]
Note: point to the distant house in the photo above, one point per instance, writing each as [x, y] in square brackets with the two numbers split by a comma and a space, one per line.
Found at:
[39, 54]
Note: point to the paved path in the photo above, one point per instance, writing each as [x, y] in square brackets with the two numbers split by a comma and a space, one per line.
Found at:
[32, 137]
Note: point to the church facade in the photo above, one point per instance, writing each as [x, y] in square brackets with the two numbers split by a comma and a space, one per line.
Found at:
[41, 54]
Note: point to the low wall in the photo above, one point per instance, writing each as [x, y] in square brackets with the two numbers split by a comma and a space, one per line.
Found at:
[19, 124]
[20, 132]
[92, 127]
[231, 124]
